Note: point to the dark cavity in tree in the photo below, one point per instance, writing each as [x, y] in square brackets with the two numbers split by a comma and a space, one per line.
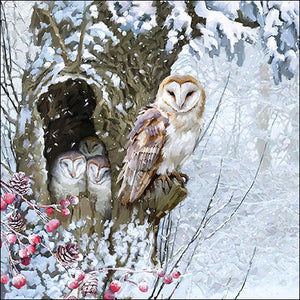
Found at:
[66, 110]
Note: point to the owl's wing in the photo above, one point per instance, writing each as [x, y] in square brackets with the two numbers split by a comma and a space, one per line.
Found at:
[144, 153]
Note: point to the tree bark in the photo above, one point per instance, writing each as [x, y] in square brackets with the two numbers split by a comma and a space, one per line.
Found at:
[140, 63]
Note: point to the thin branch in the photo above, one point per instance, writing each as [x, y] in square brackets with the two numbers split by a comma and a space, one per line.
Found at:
[55, 28]
[215, 112]
[7, 167]
[242, 200]
[245, 279]
[8, 117]
[198, 231]
[7, 35]
[8, 95]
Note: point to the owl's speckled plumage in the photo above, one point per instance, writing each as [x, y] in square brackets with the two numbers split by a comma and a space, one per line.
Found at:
[164, 135]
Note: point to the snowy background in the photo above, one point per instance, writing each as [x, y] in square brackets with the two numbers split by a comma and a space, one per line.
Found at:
[253, 110]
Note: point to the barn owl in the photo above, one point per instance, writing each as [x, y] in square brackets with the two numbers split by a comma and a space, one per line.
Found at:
[91, 146]
[164, 136]
[68, 175]
[99, 184]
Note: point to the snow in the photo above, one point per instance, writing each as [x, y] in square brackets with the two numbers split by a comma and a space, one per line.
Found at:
[268, 217]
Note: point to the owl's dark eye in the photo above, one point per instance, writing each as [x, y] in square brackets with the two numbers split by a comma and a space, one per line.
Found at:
[171, 93]
[189, 93]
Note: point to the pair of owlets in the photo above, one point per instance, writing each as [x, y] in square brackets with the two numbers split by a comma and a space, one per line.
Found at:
[163, 138]
[88, 169]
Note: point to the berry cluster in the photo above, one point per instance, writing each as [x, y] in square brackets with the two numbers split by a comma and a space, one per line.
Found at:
[12, 225]
[66, 255]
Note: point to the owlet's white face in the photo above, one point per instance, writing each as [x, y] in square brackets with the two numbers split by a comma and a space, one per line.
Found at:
[91, 146]
[180, 97]
[72, 168]
[97, 173]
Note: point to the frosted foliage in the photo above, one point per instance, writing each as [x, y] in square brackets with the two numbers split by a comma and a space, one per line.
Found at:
[17, 62]
[138, 16]
[253, 110]
[279, 30]
[279, 21]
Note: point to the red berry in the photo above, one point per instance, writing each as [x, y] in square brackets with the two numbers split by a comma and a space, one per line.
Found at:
[34, 239]
[53, 224]
[49, 211]
[4, 279]
[18, 281]
[3, 205]
[30, 249]
[65, 212]
[64, 203]
[115, 286]
[161, 273]
[168, 279]
[109, 294]
[9, 198]
[74, 200]
[73, 284]
[25, 261]
[11, 238]
[80, 275]
[143, 286]
[23, 253]
[175, 274]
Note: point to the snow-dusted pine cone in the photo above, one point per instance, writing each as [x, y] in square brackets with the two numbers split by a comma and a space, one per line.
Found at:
[67, 254]
[89, 286]
[16, 222]
[19, 183]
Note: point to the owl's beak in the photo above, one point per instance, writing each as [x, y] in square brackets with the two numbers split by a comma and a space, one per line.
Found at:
[73, 174]
[89, 147]
[180, 102]
[98, 180]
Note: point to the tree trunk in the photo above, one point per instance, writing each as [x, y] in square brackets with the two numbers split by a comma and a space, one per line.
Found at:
[124, 77]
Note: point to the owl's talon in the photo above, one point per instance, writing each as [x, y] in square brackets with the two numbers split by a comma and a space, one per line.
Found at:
[181, 177]
[165, 178]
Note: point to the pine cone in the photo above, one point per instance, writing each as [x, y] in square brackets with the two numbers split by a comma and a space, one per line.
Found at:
[89, 286]
[19, 183]
[16, 222]
[67, 254]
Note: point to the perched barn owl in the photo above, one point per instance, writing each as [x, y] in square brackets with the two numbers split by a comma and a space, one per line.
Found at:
[164, 136]
[91, 146]
[99, 184]
[68, 175]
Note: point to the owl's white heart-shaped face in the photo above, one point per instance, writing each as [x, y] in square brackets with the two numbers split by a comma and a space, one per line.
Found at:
[181, 97]
[72, 167]
[180, 94]
[98, 170]
[91, 146]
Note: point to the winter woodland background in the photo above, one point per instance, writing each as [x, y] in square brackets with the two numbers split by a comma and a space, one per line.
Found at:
[258, 116]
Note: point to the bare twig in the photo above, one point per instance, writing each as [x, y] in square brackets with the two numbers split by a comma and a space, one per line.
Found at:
[8, 117]
[9, 96]
[215, 112]
[55, 28]
[198, 231]
[242, 200]
[245, 279]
